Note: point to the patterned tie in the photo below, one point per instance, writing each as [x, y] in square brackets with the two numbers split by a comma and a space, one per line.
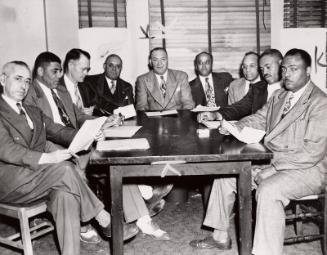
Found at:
[79, 102]
[61, 109]
[209, 94]
[21, 111]
[113, 87]
[163, 86]
[288, 105]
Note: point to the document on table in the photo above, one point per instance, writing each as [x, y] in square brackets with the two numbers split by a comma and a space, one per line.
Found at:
[161, 113]
[127, 111]
[123, 145]
[201, 108]
[85, 135]
[247, 135]
[121, 131]
[211, 124]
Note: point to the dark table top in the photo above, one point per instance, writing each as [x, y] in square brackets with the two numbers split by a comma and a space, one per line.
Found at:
[176, 137]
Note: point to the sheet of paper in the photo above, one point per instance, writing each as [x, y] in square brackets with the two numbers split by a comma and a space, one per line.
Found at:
[201, 108]
[162, 113]
[85, 135]
[123, 145]
[128, 111]
[121, 131]
[247, 135]
[213, 124]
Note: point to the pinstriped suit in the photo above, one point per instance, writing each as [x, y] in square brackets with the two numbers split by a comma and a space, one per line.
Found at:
[299, 143]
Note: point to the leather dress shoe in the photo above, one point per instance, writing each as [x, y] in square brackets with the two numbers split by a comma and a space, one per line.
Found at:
[210, 243]
[159, 193]
[130, 230]
[90, 235]
[153, 230]
[156, 208]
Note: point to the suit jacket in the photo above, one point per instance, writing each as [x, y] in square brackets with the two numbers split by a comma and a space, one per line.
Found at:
[299, 140]
[149, 97]
[236, 90]
[19, 154]
[104, 98]
[36, 97]
[253, 101]
[220, 82]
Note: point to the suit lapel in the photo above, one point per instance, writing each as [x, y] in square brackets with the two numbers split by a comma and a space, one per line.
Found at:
[36, 124]
[171, 84]
[153, 87]
[15, 121]
[67, 101]
[43, 102]
[279, 125]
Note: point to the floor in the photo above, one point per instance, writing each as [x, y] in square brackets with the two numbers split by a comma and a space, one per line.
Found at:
[183, 223]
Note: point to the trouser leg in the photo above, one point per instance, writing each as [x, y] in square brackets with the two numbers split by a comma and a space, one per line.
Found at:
[133, 203]
[220, 205]
[272, 195]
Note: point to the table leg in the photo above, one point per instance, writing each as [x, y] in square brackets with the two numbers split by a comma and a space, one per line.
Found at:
[245, 210]
[116, 211]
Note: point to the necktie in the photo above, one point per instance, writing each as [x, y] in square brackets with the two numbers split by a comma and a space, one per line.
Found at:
[209, 94]
[61, 109]
[79, 102]
[21, 111]
[163, 86]
[288, 105]
[113, 87]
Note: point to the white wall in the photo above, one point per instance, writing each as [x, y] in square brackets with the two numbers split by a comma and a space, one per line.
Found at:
[23, 28]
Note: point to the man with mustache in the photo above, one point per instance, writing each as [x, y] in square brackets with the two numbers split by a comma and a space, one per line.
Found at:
[258, 94]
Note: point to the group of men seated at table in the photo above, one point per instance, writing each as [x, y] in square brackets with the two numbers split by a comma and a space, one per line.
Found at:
[41, 113]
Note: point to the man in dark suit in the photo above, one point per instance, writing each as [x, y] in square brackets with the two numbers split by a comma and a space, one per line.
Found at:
[162, 88]
[209, 88]
[32, 167]
[258, 94]
[54, 99]
[111, 91]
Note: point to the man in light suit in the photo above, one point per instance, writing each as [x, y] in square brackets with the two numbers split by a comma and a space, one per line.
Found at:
[111, 91]
[32, 167]
[209, 88]
[47, 75]
[258, 94]
[250, 71]
[162, 88]
[295, 122]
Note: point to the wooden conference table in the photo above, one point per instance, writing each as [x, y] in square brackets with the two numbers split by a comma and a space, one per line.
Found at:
[176, 141]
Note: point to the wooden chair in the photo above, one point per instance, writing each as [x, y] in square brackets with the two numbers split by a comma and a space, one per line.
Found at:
[23, 213]
[299, 215]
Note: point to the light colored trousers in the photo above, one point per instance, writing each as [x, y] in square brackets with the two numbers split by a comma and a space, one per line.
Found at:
[272, 195]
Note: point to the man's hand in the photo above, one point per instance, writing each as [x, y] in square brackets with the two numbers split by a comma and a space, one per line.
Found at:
[113, 120]
[89, 110]
[55, 157]
[99, 136]
[222, 130]
[205, 116]
[264, 173]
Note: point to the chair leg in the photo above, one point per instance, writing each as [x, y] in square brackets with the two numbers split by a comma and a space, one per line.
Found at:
[298, 223]
[25, 232]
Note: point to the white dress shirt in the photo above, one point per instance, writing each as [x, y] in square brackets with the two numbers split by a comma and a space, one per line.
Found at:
[53, 105]
[71, 89]
[298, 94]
[272, 88]
[158, 76]
[109, 81]
[13, 104]
[203, 82]
[247, 84]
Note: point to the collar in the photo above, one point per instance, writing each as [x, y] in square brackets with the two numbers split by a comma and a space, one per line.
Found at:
[109, 81]
[247, 82]
[69, 83]
[12, 103]
[165, 75]
[298, 94]
[203, 78]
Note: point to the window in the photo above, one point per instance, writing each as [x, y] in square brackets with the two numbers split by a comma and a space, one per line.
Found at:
[102, 13]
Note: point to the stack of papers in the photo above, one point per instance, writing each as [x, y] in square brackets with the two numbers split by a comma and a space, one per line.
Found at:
[127, 111]
[85, 135]
[123, 145]
[121, 131]
[168, 112]
[213, 124]
[247, 135]
[201, 108]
